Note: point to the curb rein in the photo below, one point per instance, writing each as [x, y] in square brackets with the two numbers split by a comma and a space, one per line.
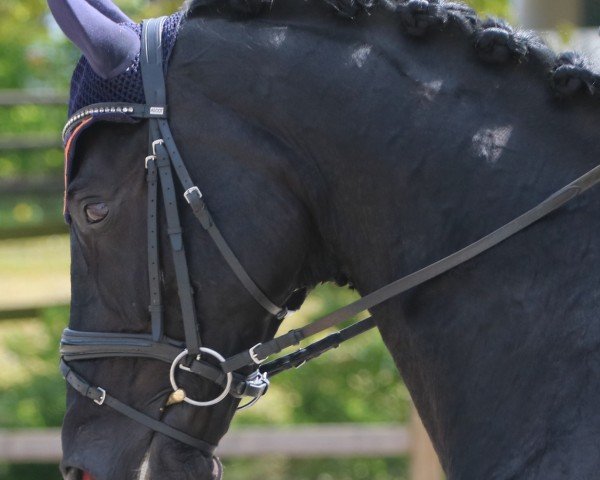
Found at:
[163, 158]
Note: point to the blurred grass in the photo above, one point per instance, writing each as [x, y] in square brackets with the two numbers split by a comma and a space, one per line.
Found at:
[30, 215]
[33, 118]
[34, 272]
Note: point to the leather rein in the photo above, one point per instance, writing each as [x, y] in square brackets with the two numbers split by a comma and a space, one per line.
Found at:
[191, 355]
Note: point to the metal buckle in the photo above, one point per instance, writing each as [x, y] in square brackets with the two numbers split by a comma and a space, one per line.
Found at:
[191, 401]
[155, 143]
[254, 356]
[260, 380]
[102, 396]
[188, 193]
[148, 158]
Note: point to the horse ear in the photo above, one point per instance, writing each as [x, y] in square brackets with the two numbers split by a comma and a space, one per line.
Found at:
[92, 25]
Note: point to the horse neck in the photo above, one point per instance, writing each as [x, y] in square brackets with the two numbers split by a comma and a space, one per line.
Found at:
[484, 350]
[487, 349]
[407, 152]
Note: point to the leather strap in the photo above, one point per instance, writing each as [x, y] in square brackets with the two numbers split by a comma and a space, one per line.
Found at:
[555, 201]
[133, 110]
[101, 397]
[75, 345]
[175, 233]
[194, 198]
[300, 357]
[154, 274]
[155, 92]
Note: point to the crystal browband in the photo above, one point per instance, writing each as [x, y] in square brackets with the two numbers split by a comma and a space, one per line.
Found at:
[132, 110]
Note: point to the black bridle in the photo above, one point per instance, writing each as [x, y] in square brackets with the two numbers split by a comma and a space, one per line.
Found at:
[191, 355]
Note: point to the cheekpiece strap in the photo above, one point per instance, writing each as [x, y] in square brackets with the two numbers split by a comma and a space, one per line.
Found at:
[151, 63]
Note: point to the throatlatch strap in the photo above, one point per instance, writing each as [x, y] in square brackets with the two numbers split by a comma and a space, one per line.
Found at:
[100, 397]
[196, 201]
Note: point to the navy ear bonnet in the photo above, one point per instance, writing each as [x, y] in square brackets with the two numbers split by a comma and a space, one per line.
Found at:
[88, 88]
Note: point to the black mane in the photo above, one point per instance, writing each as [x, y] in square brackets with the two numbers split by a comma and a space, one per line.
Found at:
[494, 39]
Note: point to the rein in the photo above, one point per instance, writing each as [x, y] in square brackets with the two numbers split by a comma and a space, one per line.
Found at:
[191, 356]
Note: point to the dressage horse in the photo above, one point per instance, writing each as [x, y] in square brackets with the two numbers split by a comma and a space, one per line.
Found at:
[355, 142]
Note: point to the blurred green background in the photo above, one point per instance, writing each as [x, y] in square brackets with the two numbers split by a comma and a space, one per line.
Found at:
[357, 383]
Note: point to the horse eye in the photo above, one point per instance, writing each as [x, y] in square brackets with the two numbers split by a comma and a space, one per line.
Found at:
[96, 212]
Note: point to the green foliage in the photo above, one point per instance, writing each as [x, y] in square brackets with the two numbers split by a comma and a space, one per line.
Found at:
[26, 55]
[31, 388]
[498, 8]
[29, 472]
[32, 51]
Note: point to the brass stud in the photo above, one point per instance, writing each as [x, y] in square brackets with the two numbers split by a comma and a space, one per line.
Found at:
[176, 397]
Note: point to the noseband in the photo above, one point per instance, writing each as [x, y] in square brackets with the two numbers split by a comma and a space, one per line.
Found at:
[191, 355]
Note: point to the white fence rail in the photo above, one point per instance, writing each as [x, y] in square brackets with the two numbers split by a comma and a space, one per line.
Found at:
[298, 441]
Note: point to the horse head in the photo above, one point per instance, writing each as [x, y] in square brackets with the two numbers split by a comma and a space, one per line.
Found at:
[106, 204]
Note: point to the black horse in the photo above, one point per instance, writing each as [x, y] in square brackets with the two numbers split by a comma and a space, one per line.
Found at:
[352, 142]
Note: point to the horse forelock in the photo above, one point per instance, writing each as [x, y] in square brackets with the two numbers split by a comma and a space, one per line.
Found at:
[495, 40]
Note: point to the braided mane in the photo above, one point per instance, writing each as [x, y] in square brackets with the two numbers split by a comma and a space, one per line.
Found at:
[494, 39]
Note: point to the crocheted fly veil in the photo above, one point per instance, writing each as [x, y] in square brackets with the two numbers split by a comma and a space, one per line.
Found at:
[88, 88]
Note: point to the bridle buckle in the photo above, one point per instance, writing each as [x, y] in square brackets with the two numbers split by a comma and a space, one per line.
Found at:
[254, 356]
[100, 401]
[188, 193]
[148, 159]
[156, 143]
